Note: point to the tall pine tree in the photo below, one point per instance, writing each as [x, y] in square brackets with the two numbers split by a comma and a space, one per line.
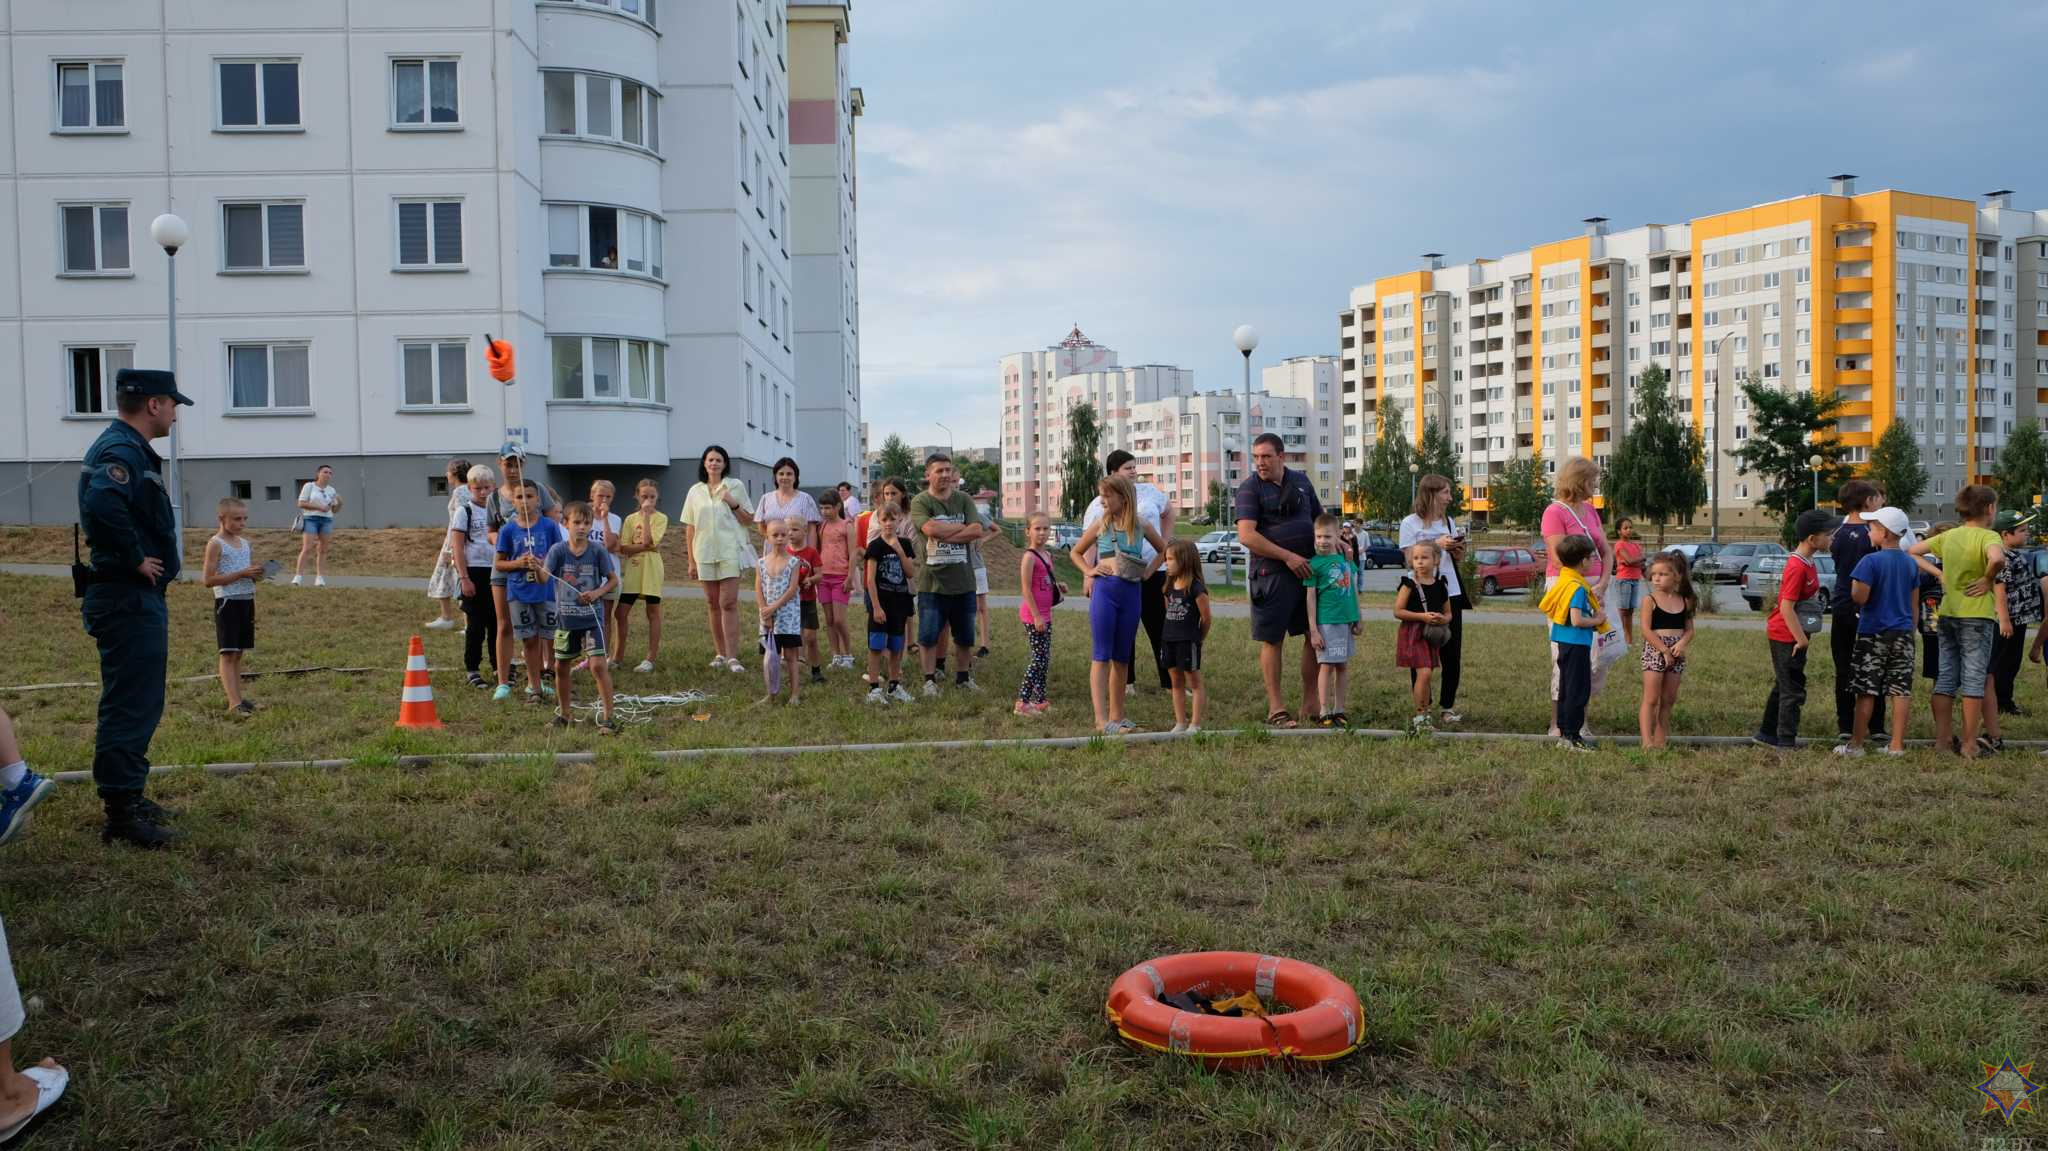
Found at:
[1658, 470]
[1382, 488]
[1439, 455]
[1895, 466]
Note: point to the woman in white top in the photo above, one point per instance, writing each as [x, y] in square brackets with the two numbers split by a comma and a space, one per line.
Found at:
[788, 500]
[716, 545]
[1156, 512]
[444, 585]
[318, 501]
[1431, 520]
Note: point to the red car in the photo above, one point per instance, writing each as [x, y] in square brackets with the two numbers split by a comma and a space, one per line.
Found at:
[1507, 569]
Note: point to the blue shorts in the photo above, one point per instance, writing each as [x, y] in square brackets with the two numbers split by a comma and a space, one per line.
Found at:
[1114, 608]
[1965, 646]
[936, 611]
[885, 641]
[317, 525]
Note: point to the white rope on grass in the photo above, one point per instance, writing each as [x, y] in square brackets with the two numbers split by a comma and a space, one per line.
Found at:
[570, 758]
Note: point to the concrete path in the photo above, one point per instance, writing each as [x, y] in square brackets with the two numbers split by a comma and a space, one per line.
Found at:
[1074, 603]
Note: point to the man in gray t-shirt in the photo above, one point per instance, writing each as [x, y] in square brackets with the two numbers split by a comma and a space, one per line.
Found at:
[944, 520]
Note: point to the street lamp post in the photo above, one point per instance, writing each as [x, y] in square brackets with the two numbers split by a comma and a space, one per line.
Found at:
[1414, 469]
[171, 233]
[1714, 449]
[1247, 337]
[949, 439]
[1813, 463]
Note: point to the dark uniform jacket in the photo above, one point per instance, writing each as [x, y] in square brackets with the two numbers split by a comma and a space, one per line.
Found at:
[124, 505]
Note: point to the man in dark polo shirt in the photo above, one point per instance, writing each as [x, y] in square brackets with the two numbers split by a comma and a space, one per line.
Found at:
[1276, 521]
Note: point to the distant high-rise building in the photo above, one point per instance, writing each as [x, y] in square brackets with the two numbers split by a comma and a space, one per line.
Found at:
[1920, 308]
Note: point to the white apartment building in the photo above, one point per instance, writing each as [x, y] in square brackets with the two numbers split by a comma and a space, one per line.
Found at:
[1181, 439]
[825, 245]
[1928, 309]
[374, 185]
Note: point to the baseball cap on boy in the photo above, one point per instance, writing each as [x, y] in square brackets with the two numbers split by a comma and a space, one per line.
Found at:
[2009, 521]
[1893, 519]
[1814, 521]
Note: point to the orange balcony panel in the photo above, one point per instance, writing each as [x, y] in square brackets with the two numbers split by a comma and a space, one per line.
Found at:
[1852, 378]
[1852, 347]
[1852, 315]
[1854, 439]
[1854, 255]
[1859, 408]
[1852, 283]
[1855, 226]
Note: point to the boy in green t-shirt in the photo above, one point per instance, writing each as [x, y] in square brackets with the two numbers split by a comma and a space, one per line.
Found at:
[1966, 625]
[1333, 606]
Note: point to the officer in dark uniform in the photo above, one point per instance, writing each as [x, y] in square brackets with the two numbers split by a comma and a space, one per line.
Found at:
[124, 505]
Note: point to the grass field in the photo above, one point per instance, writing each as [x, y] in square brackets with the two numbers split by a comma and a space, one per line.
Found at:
[1624, 950]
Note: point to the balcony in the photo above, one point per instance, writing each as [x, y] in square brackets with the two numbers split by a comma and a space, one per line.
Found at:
[1852, 283]
[1852, 347]
[1852, 315]
[1854, 408]
[590, 433]
[1853, 378]
[1859, 254]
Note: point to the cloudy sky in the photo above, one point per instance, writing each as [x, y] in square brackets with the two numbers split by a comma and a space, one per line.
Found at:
[1161, 172]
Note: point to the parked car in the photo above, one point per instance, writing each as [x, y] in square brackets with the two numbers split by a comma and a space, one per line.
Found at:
[1218, 546]
[1065, 536]
[1378, 551]
[1727, 564]
[1507, 569]
[1759, 583]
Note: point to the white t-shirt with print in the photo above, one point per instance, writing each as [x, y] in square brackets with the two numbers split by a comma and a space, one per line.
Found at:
[321, 496]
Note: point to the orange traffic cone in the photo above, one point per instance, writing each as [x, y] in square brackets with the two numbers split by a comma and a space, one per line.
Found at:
[416, 703]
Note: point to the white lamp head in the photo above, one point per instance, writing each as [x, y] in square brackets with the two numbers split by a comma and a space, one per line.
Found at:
[170, 232]
[1246, 338]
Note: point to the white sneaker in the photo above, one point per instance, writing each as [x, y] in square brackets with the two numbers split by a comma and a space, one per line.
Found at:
[645, 665]
[297, 581]
[717, 661]
[898, 694]
[875, 695]
[1585, 733]
[1554, 733]
[1451, 716]
[1849, 750]
[1193, 728]
[440, 625]
[931, 689]
[1177, 729]
[734, 666]
[319, 581]
[1888, 749]
[1421, 724]
[969, 685]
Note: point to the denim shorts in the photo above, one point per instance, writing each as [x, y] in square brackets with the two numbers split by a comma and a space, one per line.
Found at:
[317, 525]
[938, 612]
[1627, 594]
[1965, 655]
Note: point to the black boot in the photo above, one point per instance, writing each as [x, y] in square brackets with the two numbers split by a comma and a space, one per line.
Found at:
[127, 823]
[152, 811]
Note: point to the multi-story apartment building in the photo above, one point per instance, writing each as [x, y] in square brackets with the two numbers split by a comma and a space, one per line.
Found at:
[1913, 307]
[1182, 439]
[374, 185]
[824, 265]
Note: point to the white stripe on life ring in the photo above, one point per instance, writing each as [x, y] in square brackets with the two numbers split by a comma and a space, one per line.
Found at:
[1350, 1021]
[1152, 973]
[1180, 1036]
[1269, 966]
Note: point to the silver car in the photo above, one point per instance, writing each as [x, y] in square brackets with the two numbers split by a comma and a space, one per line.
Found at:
[1760, 583]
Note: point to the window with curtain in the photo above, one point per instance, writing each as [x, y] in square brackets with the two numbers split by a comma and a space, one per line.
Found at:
[95, 239]
[558, 90]
[429, 233]
[269, 377]
[92, 377]
[604, 369]
[568, 354]
[436, 373]
[637, 382]
[565, 232]
[629, 113]
[91, 95]
[425, 93]
[597, 106]
[263, 237]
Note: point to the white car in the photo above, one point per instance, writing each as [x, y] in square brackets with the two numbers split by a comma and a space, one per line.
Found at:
[1219, 546]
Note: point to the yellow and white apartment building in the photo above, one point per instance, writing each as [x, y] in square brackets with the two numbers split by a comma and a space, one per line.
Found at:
[1928, 309]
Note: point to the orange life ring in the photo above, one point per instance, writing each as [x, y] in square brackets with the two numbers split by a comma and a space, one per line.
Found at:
[1324, 1019]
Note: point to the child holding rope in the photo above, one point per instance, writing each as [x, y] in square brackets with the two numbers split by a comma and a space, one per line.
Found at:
[523, 543]
[583, 574]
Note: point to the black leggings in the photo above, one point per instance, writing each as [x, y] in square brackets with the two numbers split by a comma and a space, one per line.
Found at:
[2006, 657]
[1152, 614]
[1451, 658]
[482, 616]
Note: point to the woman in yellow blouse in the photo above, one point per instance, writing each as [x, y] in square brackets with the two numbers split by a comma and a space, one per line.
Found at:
[642, 572]
[716, 543]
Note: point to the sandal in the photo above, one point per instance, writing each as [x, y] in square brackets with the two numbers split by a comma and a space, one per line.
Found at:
[50, 1083]
[1281, 719]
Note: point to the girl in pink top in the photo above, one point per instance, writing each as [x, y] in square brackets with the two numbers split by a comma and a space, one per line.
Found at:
[835, 569]
[1034, 575]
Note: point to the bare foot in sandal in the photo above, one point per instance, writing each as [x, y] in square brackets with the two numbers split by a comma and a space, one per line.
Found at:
[1280, 719]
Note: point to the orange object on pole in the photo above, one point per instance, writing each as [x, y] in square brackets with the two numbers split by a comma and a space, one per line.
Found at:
[498, 356]
[416, 702]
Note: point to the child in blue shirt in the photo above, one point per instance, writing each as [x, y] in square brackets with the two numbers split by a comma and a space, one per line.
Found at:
[1573, 618]
[1885, 584]
[523, 543]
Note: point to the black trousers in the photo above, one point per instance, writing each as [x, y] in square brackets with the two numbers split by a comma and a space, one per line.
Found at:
[1451, 659]
[1152, 614]
[1842, 647]
[132, 629]
[2006, 659]
[1574, 687]
[482, 616]
[1780, 721]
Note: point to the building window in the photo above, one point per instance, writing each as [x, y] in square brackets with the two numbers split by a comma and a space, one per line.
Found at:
[618, 239]
[425, 93]
[642, 10]
[259, 94]
[434, 373]
[92, 376]
[617, 369]
[600, 108]
[263, 237]
[95, 239]
[270, 377]
[430, 234]
[90, 97]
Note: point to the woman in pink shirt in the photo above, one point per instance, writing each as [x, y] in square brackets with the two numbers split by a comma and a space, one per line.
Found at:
[1572, 514]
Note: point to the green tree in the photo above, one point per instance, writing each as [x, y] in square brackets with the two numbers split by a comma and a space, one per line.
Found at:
[1439, 455]
[1895, 466]
[898, 461]
[1658, 470]
[1218, 507]
[1081, 470]
[1520, 492]
[979, 475]
[1786, 429]
[1381, 491]
[2022, 468]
